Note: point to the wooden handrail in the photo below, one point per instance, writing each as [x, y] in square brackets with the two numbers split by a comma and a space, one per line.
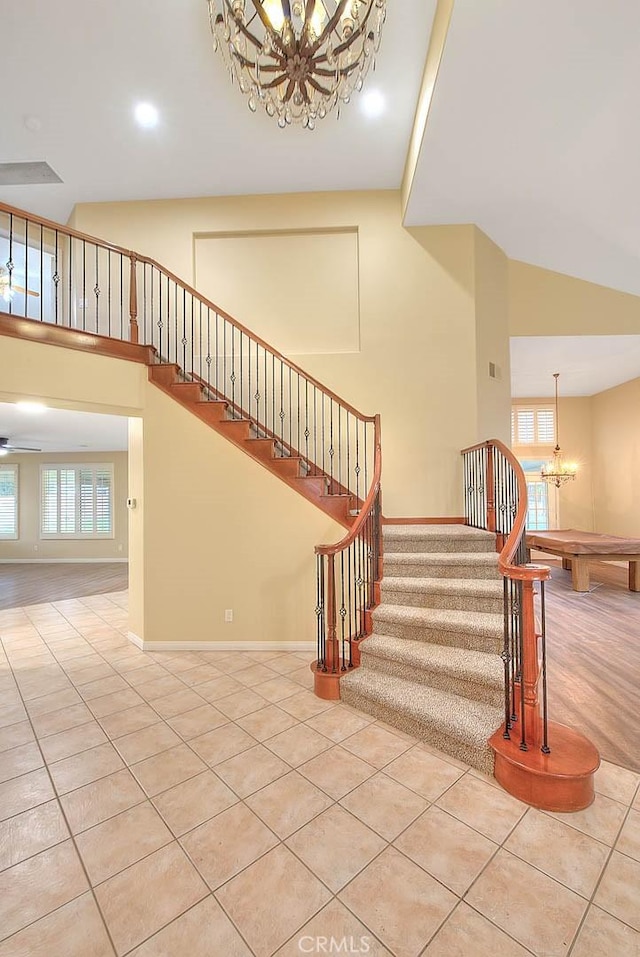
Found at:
[138, 257]
[356, 528]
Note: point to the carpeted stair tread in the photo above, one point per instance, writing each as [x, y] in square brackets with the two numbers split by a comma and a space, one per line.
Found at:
[454, 717]
[482, 624]
[437, 538]
[473, 587]
[468, 665]
[477, 559]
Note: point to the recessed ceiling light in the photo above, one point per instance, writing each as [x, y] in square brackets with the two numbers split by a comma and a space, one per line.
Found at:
[32, 408]
[146, 115]
[373, 104]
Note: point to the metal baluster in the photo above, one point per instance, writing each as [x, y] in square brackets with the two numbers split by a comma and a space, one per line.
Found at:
[331, 450]
[56, 281]
[41, 275]
[96, 292]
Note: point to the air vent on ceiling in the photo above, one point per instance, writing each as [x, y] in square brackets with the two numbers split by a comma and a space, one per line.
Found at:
[27, 174]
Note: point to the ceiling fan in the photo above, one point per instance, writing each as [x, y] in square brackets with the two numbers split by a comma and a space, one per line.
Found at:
[8, 288]
[6, 447]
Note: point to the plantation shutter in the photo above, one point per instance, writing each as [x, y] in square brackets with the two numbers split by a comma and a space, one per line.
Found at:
[9, 501]
[532, 426]
[546, 430]
[77, 501]
[525, 426]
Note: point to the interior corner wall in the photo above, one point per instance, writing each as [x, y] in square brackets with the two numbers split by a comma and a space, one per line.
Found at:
[616, 439]
[547, 303]
[493, 363]
[136, 529]
[416, 361]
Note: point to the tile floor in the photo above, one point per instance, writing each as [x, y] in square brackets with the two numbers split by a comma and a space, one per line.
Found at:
[208, 804]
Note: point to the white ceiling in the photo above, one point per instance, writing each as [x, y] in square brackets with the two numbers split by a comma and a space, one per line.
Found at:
[533, 134]
[80, 67]
[60, 430]
[587, 364]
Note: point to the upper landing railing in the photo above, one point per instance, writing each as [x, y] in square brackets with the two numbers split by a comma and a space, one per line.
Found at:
[56, 275]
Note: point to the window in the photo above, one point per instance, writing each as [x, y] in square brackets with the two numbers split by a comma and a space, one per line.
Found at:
[8, 501]
[76, 501]
[532, 426]
[542, 510]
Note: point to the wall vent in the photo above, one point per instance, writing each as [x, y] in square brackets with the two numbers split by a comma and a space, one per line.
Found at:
[27, 174]
[495, 371]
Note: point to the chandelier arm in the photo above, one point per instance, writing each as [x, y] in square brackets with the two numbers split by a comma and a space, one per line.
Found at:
[357, 33]
[317, 86]
[251, 64]
[266, 23]
[275, 82]
[288, 93]
[243, 29]
[328, 30]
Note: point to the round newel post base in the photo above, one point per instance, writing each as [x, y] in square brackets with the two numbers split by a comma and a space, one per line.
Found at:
[326, 684]
[562, 780]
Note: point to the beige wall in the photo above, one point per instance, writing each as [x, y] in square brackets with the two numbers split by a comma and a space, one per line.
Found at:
[416, 363]
[546, 303]
[492, 339]
[30, 545]
[616, 481]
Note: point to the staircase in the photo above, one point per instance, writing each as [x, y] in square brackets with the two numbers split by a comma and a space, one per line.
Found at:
[432, 666]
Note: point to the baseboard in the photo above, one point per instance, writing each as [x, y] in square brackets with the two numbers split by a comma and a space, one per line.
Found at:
[309, 646]
[64, 561]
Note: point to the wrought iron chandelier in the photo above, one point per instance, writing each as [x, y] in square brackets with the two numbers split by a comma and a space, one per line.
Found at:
[299, 59]
[558, 472]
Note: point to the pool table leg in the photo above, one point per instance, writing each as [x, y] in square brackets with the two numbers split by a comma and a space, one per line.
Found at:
[580, 574]
[634, 576]
[566, 564]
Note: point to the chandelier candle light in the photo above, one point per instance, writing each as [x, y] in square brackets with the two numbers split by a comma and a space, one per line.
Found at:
[299, 59]
[558, 472]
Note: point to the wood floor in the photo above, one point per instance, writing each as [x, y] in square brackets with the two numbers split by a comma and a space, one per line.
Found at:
[593, 643]
[32, 584]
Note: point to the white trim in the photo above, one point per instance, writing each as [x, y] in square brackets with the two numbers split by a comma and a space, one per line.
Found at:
[221, 645]
[63, 561]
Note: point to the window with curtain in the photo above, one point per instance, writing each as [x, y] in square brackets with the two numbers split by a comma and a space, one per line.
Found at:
[8, 501]
[76, 501]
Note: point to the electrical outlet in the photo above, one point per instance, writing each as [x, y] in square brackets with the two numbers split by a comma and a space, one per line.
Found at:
[228, 615]
[35, 548]
[120, 547]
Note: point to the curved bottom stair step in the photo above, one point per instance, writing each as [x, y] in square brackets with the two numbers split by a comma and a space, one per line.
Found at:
[475, 675]
[452, 724]
[457, 594]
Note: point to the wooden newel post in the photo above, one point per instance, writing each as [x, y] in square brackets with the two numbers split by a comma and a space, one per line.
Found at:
[133, 301]
[491, 490]
[332, 658]
[530, 669]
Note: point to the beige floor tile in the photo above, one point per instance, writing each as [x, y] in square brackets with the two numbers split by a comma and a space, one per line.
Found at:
[27, 791]
[93, 672]
[203, 931]
[192, 724]
[629, 840]
[616, 782]
[337, 772]
[126, 722]
[221, 743]
[37, 886]
[177, 702]
[102, 687]
[284, 664]
[194, 801]
[468, 934]
[141, 676]
[53, 702]
[384, 805]
[101, 800]
[540, 913]
[272, 899]
[138, 902]
[227, 844]
[219, 688]
[28, 833]
[198, 675]
[83, 768]
[11, 712]
[56, 747]
[562, 852]
[335, 846]
[112, 703]
[160, 687]
[602, 935]
[303, 677]
[165, 770]
[376, 746]
[20, 760]
[288, 803]
[423, 773]
[73, 930]
[333, 922]
[298, 744]
[72, 717]
[251, 770]
[619, 889]
[13, 735]
[277, 689]
[602, 820]
[145, 743]
[399, 902]
[304, 705]
[253, 675]
[338, 723]
[445, 847]
[493, 813]
[119, 842]
[241, 703]
[267, 722]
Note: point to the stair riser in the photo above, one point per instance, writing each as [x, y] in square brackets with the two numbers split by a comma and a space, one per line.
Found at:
[407, 546]
[418, 570]
[444, 681]
[433, 735]
[454, 639]
[448, 601]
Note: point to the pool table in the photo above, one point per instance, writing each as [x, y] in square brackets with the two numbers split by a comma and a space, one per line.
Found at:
[577, 549]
